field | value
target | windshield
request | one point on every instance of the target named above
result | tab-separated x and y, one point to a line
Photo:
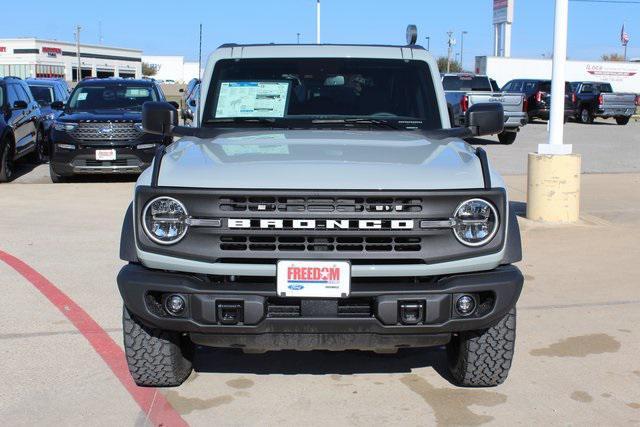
288	92
42	94
467	83
111	97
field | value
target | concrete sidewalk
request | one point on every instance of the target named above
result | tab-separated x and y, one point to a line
576	356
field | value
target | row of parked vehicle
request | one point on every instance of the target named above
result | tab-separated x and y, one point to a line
525	100
96	128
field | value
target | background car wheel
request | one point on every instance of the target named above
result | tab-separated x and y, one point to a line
156	358
507	138
6	161
483	358
622	121
39	154
56	178
585	116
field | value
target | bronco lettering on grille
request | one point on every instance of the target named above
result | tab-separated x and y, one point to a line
321	224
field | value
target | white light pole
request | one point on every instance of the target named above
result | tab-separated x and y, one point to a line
556	120
318	21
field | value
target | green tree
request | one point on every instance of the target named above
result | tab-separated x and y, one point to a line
454	66
148	70
615	57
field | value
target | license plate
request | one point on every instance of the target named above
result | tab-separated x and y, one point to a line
314	279
105	154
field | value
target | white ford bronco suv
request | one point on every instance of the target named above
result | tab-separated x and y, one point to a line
323	201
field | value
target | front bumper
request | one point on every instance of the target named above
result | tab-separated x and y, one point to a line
82	160
368	319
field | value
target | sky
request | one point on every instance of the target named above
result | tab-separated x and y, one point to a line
167	28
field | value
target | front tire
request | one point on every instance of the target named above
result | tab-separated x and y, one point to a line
156	358
507	138
622	121
55	177
483	358
6	160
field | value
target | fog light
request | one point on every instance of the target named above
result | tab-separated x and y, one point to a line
175	305
465	305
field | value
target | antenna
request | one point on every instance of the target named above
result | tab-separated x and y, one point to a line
200	54
79	73
99	32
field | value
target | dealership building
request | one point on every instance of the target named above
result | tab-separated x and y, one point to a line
172	68
31	57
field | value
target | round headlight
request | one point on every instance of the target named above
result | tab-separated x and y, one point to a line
476	222
165	220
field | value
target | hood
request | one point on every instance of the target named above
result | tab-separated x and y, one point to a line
101	116
322	160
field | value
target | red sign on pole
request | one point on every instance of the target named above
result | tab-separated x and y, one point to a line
3	49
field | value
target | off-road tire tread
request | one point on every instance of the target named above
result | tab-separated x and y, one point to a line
483	358
156	358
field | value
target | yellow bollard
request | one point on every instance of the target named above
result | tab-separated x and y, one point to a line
553	190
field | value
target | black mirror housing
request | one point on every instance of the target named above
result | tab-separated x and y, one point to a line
485	119
192	103
20	105
57	105
175	104
159	118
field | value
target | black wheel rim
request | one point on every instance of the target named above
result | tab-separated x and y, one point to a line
6	160
40	146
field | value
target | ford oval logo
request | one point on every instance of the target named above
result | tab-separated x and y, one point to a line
296	287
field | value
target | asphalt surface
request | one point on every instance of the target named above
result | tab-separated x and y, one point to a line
578	321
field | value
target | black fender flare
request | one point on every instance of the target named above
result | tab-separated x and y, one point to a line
513	248
128	238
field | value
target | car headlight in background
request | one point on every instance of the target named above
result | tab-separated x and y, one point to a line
475	222
62	126
164	220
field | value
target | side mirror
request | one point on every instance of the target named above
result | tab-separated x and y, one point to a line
485	119
20	105
192	103
175	104
57	105
181	90
159	118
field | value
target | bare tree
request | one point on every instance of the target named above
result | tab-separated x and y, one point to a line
149	70
455	66
615	57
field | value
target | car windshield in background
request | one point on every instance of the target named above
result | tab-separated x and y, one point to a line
392	93
466	83
42	94
107	97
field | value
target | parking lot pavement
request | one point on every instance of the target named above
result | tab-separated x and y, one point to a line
576	357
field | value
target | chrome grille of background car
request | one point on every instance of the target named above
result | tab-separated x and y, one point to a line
319	204
109	131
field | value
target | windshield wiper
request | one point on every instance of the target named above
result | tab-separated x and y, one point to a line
371	122
258	120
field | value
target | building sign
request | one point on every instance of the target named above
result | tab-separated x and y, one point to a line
52	51
502	11
3	49
611	72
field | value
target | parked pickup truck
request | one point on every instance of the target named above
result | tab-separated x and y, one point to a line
323	201
597	99
464	90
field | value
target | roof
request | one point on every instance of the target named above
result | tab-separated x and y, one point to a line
116	80
72	44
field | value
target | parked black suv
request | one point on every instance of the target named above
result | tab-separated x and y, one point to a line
100	130
19	119
51	95
538	96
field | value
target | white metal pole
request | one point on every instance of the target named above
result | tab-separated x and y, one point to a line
556	123
318	21
496	36
507	39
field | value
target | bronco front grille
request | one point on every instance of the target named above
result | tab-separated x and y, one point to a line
320	204
109	131
320	244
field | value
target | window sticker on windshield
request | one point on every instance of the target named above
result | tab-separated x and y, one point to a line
252	99
82	96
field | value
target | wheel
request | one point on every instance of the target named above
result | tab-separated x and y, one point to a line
6	160
622	121
483	358
507	138
156	358
585	116
39	155
55	177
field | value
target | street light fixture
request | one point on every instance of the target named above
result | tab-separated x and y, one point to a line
428	42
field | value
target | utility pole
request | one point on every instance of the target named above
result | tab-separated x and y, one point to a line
79	73
318	21
428	42
200	53
298	35
462	49
451	42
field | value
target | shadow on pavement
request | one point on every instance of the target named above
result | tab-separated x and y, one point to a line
213	360
21	168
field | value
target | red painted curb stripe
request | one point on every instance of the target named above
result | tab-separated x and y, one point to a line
152	402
